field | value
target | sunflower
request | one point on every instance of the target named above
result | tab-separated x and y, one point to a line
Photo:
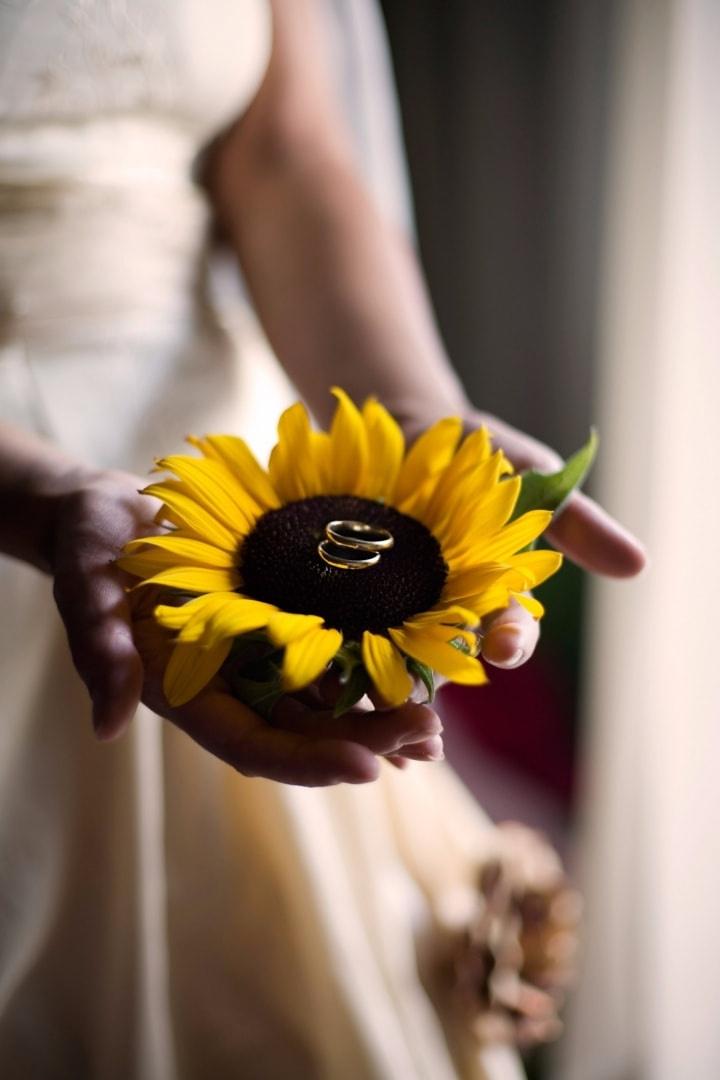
242	553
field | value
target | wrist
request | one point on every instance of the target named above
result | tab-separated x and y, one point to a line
36	508
416	415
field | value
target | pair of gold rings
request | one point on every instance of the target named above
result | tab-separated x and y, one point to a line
353	545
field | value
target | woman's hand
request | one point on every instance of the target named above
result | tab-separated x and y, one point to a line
77	520
582	530
95	514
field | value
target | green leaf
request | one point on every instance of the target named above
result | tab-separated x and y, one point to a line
425	674
348	656
542	491
253	671
260	696
461	645
250	649
354	687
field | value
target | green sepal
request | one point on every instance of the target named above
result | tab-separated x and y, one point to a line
353	689
354	679
541	491
425	674
253	670
260	696
348	656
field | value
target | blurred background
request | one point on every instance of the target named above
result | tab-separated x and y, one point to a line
505	115
565	171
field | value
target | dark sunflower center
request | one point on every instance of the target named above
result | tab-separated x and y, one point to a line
280	564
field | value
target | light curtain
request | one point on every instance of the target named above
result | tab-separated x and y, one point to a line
650	845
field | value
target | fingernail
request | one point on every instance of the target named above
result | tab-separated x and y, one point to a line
431	732
429	750
497	642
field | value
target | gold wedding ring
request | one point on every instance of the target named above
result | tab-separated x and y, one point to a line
345	558
356	534
353	545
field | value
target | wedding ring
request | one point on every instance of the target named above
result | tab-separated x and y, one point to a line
344	557
358	535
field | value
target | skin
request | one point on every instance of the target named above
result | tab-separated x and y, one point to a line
341	298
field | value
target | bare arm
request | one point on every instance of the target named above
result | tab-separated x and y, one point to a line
342	300
339	290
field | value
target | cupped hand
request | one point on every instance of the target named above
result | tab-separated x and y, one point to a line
582	530
98	512
94	517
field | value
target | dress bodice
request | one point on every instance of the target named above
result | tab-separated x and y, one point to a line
105	108
193	64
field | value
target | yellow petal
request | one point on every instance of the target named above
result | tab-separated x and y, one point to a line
348	447
497	508
431	645
307	657
176	617
428	455
238	615
536	566
239	460
172	618
473	452
487	517
386	668
210	484
319	453
495	599
452	614
473	581
195	579
197	612
162	551
293	467
530	604
415	504
165	516
465	483
190	669
145	564
514	537
386	446
507	467
451	517
198	520
213	617
285	626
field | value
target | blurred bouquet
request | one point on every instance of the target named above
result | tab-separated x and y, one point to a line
349	552
511	941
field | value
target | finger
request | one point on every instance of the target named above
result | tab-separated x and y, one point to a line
582	530
428	750
237	735
398	761
418	696
509	636
92	604
595	541
382	732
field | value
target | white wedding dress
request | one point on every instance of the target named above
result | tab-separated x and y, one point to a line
160	916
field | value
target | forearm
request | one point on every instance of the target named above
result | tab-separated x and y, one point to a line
337	288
